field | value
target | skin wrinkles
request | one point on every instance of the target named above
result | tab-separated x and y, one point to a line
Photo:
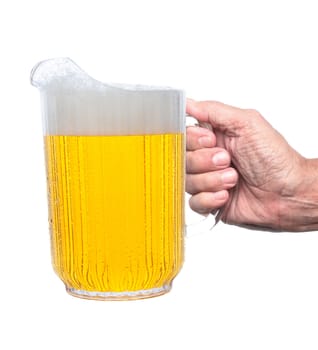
268	189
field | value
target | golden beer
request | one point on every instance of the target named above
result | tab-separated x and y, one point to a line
115	173
116	213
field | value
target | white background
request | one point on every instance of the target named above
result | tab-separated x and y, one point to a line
238	289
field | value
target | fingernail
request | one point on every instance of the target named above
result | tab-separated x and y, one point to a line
220	159
206	141
229	177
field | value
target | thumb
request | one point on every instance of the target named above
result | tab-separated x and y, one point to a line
219	115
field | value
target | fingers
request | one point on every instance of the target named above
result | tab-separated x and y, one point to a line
207	159
206	202
209	175
214	181
219	115
199	137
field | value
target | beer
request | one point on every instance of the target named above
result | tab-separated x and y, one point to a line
116	212
115	173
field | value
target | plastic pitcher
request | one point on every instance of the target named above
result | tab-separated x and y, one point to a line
115	175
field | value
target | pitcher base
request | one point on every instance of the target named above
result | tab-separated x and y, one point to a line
126	295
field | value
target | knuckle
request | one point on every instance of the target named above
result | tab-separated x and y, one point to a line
190	134
189	184
194	161
198	204
190	161
211	181
253	113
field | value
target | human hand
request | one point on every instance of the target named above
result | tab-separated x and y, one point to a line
265	174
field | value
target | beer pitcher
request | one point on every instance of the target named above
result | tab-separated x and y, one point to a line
115	177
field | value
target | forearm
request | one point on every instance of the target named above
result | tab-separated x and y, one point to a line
300	211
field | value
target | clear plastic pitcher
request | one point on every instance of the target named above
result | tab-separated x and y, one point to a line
115	174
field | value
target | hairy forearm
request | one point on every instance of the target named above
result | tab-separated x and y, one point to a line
300	211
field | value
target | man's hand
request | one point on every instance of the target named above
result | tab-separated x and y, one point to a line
248	168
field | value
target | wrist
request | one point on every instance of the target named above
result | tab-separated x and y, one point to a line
299	208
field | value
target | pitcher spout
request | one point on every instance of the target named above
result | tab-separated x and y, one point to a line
45	72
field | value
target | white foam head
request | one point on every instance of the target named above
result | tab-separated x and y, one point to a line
73	103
